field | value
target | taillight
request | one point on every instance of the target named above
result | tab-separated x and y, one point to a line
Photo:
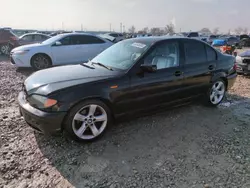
235	66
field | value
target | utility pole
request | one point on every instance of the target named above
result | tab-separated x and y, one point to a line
121	27
110	28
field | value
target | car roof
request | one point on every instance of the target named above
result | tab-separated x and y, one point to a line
27	34
76	33
34	34
154	39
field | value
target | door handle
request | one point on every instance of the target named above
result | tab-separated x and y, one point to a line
178	73
211	67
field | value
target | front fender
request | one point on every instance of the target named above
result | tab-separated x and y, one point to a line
218	75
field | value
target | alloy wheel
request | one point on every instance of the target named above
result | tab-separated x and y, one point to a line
5	49
41	62
217	92
89	122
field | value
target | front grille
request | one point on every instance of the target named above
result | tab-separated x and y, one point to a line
246	61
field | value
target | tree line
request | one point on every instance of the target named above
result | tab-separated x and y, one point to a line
170	29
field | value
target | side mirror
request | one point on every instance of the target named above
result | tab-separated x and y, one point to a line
58	43
148	68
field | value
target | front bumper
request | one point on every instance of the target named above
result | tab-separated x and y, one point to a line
243	68
20	60
44	122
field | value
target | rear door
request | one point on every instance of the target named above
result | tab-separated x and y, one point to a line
200	64
40	38
27	39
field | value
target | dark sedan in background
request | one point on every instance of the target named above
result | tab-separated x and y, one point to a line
131	77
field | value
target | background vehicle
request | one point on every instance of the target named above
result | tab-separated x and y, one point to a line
59	32
223	46
245	42
32	38
233	41
243	62
62	49
244	37
118	36
7	40
130	77
194	35
211	39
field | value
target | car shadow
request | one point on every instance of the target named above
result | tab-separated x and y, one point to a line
143	144
25	71
3	58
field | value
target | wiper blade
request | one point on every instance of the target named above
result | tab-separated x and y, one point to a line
83	64
102	65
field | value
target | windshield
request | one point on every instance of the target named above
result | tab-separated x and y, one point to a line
52	39
122	55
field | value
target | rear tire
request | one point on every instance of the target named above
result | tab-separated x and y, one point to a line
216	93
5	49
40	61
87	121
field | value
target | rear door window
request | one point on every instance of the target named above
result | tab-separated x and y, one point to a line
44	37
28	38
85	39
195	52
38	37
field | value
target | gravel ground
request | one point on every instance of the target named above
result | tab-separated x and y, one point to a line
188	147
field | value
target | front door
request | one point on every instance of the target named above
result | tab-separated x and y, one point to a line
68	52
158	88
200	63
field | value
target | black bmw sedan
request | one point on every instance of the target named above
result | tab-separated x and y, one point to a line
130	77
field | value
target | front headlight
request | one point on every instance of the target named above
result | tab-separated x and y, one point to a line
41	102
21	52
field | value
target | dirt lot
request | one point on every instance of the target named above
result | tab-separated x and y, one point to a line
188	147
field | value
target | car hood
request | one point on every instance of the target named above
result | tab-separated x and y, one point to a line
46	81
26	47
245	54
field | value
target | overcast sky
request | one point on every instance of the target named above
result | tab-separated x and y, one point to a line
98	14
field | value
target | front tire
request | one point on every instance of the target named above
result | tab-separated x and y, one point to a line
40	61
88	121
216	93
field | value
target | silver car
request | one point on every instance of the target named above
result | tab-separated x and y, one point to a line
32	38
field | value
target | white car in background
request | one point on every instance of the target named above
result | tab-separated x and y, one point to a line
70	48
118	36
